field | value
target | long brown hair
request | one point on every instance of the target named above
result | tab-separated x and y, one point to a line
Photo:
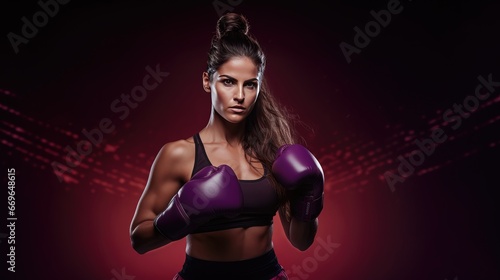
269	125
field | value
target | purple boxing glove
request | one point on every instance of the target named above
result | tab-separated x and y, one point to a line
299	172
211	192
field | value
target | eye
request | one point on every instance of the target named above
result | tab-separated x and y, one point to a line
252	85
228	82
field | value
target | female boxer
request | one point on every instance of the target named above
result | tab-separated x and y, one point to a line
222	187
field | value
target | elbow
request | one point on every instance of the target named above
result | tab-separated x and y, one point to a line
138	246
302	245
139	249
302	248
301	242
302	234
143	244
305	246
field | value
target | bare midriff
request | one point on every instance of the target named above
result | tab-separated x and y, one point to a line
231	244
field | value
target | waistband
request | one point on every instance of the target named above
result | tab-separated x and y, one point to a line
262	267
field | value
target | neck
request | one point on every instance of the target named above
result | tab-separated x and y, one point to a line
220	130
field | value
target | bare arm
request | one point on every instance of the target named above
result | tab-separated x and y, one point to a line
163	183
300	234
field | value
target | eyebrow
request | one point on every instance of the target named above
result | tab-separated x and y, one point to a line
249	80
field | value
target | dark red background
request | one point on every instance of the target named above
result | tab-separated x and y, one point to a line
437	224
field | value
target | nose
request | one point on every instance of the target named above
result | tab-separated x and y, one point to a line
239	95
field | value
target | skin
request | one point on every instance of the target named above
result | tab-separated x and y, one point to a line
235	83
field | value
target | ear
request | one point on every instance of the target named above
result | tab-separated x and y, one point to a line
206	82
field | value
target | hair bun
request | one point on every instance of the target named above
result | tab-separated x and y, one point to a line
232	22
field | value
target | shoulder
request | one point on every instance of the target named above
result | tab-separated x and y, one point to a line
177	150
177	157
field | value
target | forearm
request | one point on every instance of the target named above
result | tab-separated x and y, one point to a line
300	174
302	233
145	238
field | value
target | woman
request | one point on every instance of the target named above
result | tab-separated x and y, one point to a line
221	188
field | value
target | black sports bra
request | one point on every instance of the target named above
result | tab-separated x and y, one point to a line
260	199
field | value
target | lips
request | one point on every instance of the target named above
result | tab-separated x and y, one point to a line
237	109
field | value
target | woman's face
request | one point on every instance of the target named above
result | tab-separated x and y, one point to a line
234	88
